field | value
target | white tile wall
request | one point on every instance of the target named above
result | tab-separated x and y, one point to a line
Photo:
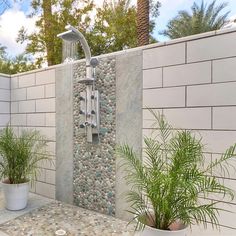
14	82
164	56
47	190
220	46
27	80
14	107
4	82
33	107
18	94
45	105
27	106
35	92
188	74
50	119
152	78
36	119
222	94
50	91
224	118
224	70
4	120
5	95
189	118
166	97
18	119
45	77
4	101
5	107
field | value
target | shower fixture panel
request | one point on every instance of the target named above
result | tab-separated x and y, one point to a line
89	119
89	99
95	112
82	110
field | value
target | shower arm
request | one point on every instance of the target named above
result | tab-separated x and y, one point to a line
86	50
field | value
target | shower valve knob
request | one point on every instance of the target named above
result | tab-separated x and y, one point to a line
93	125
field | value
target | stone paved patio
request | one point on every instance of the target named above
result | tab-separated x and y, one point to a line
43	217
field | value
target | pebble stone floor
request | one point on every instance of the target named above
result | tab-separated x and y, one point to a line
75	221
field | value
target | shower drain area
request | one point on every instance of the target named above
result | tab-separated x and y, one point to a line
60	232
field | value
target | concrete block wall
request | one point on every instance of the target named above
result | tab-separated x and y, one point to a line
192	81
5	86
33	107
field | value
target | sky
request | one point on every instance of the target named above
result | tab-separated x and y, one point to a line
15	17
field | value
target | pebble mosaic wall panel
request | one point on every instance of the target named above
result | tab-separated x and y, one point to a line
94	164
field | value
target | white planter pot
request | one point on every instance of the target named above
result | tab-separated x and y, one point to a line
149	231
16	195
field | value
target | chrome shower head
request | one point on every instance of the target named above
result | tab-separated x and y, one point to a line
69	36
74	35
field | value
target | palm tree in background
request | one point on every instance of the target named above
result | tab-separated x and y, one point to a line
203	18
143	22
147	12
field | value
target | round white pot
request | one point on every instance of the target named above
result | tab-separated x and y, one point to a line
149	231
16	195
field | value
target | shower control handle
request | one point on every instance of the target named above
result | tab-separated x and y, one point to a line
93	125
82	126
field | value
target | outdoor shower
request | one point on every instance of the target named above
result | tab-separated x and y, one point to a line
89	99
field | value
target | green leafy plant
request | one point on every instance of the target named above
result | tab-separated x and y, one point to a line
20	155
172	182
203	17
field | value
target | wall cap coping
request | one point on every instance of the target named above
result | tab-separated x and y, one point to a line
5	75
146	47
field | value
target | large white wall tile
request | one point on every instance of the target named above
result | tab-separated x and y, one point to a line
166	97
188	74
164	56
212	95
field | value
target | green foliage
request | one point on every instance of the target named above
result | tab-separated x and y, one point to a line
54	15
20	63
20	156
113	27
170	184
203	18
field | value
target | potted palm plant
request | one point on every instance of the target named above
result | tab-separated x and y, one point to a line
19	159
169	187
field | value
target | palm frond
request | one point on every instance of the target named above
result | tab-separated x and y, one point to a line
167	185
223	163
202	18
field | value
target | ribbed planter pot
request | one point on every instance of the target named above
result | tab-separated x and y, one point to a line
16	195
149	231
